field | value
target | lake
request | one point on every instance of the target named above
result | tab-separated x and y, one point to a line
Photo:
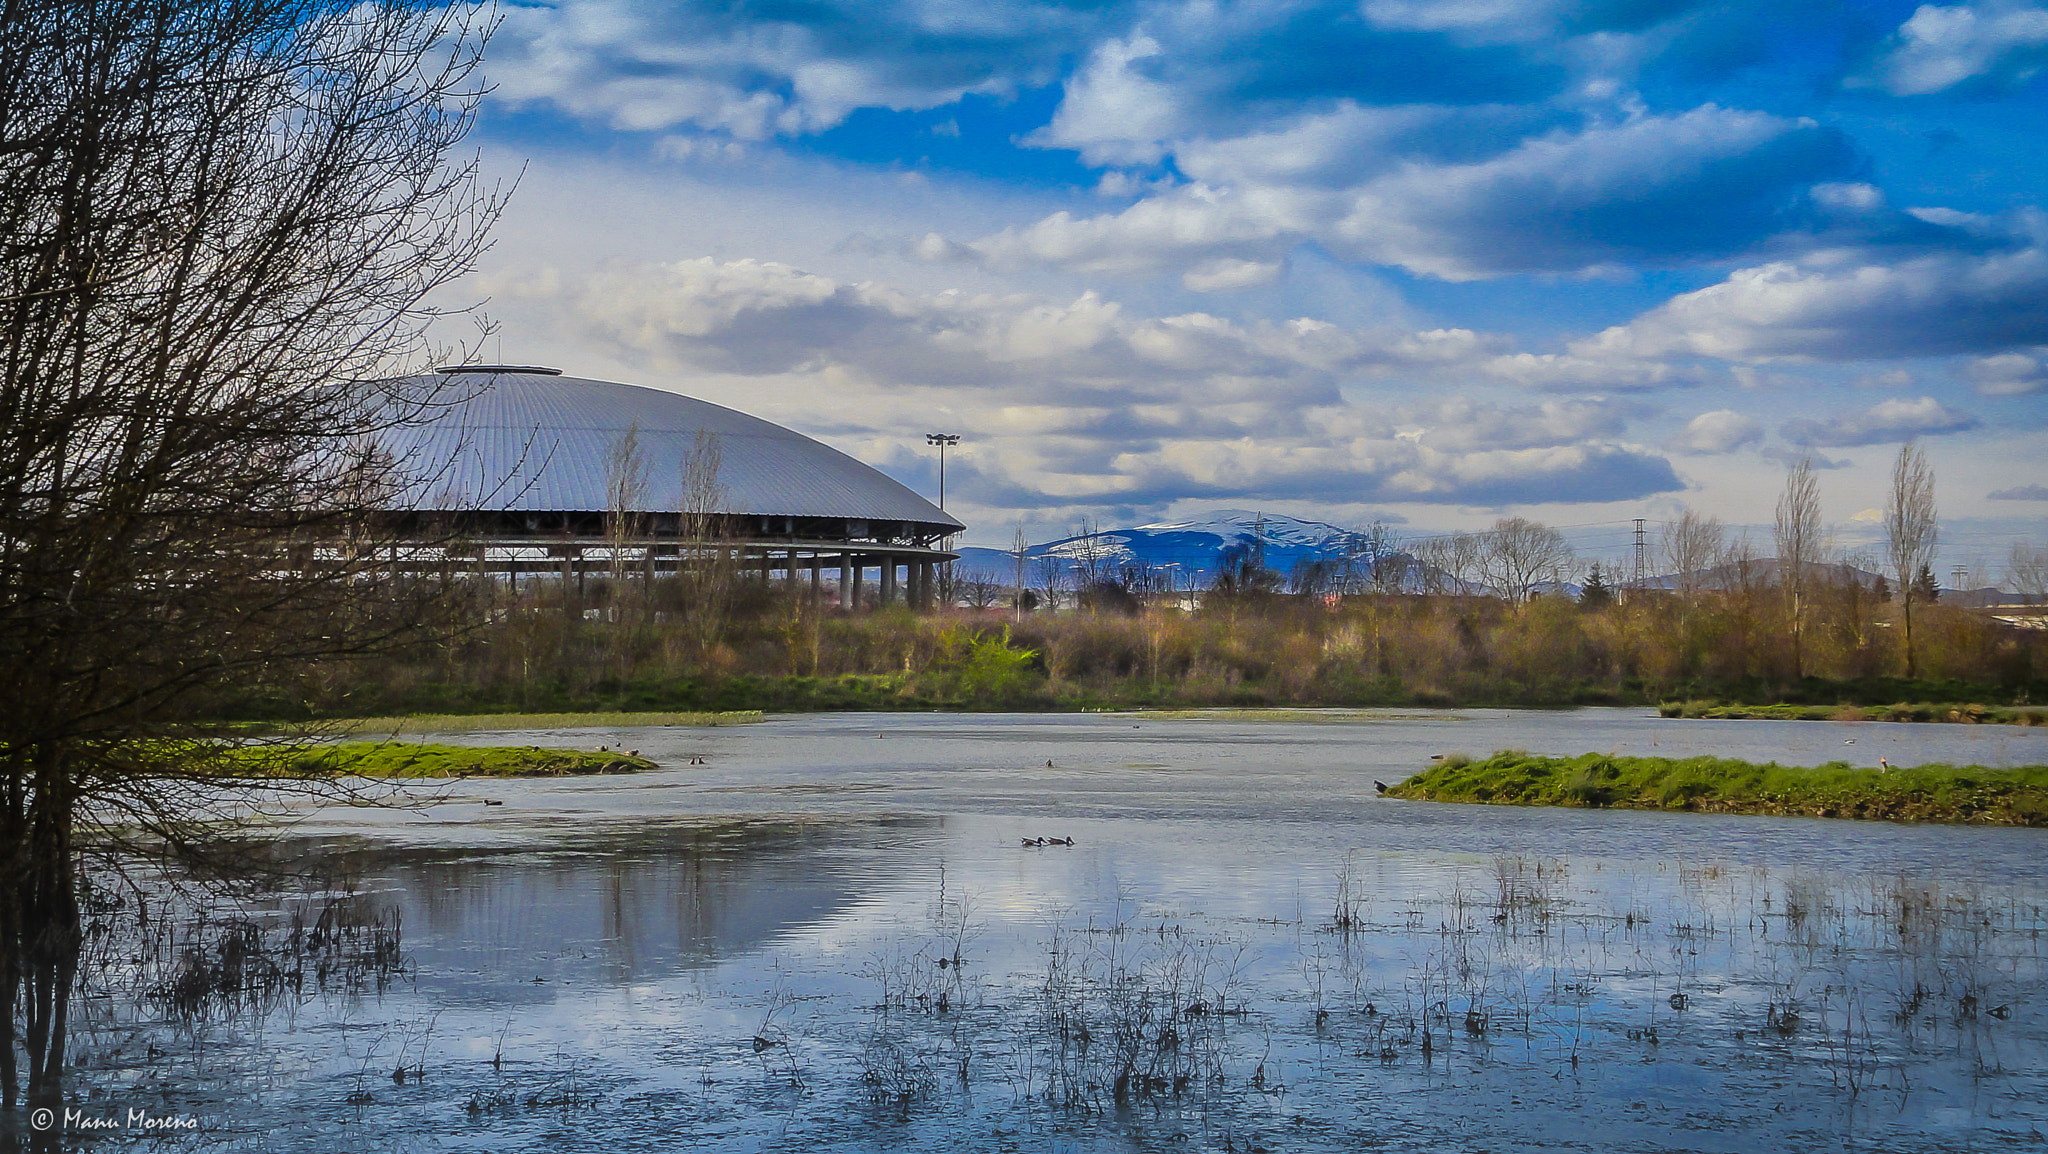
871	932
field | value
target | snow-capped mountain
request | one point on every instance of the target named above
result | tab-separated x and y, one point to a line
1185	553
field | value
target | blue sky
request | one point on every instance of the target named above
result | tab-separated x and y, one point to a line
1423	261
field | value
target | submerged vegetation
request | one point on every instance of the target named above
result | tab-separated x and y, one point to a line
1425	1010
1970	794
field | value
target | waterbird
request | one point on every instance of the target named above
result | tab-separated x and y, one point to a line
488	801
1883	764
1436	757
1848	741
1380	786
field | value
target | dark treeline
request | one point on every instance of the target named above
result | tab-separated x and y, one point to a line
641	643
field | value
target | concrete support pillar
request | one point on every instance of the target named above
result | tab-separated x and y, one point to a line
926	599
888	581
817	578
849	582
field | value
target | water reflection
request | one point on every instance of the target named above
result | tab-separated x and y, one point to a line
617	904
833	939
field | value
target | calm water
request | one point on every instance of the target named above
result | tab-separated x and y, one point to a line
829	934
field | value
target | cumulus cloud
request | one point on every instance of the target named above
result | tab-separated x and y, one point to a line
2007	374
1705	184
1080	401
1886	421
1791	457
1992	45
1855	304
759	73
1721	431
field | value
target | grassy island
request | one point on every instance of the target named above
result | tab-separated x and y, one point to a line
407	759
1953	712
1971	794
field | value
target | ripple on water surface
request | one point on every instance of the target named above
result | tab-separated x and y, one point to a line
832	934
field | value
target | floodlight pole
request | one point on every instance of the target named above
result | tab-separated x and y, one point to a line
942	440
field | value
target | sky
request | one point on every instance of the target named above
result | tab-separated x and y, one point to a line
1423	262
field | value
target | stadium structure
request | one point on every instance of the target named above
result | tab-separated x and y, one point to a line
526	470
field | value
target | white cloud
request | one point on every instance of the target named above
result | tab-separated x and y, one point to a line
643	67
1190	223
1940	47
1226	274
1886	421
1721	431
2007	374
1707	183
1851	306
1080	400
1704	184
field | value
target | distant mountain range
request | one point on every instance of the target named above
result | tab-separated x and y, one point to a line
1190	554
1182	553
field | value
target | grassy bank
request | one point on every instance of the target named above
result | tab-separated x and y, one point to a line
1969	794
1952	712
407	759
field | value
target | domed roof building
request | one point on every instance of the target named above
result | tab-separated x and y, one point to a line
534	468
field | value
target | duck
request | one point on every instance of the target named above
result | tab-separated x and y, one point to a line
1381	786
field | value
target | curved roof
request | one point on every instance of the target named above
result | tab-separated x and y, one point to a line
524	438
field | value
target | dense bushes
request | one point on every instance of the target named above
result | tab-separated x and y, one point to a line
777	649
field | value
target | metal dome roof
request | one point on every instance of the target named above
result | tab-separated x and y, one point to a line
526	439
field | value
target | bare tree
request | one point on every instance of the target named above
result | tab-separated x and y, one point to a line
626	490
980	590
1451	564
1910	531
1019	550
1692	545
2026	570
1520	556
1055	577
1374	561
1797	533
218	224
707	569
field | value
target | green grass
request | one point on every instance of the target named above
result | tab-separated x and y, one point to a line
409	759
1955	712
1970	794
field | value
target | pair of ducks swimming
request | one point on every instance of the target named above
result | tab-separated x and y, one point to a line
1039	841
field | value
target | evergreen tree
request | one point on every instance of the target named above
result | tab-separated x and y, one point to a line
1596	593
1924	588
